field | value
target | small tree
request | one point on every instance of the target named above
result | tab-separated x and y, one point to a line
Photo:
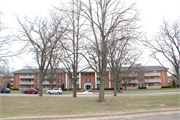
174	84
8	85
62	86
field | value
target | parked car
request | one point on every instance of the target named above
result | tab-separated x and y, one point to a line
30	91
54	91
5	90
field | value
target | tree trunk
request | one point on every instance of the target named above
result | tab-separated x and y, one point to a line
101	91
40	86
74	89
115	85
118	86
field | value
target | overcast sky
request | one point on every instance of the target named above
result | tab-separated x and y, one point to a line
151	16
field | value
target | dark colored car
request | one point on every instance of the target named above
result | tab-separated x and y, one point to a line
5	90
30	91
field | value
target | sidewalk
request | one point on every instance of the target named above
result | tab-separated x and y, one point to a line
94	115
84	93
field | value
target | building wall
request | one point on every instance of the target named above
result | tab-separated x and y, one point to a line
4	80
83	77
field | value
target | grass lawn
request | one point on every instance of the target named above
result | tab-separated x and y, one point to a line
53	106
124	91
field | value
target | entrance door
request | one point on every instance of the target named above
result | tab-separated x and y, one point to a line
88	87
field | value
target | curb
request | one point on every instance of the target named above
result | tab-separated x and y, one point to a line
94	115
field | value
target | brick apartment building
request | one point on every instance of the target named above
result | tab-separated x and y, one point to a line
4	80
148	76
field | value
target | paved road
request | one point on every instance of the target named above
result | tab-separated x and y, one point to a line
149	116
93	95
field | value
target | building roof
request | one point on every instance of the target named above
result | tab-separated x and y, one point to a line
60	70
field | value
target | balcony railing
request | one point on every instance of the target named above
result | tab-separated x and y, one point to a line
98	82
152	87
27	77
45	88
152	81
152	74
131	82
11	79
11	83
27	83
47	83
129	88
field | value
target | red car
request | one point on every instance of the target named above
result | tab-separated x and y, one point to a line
30	90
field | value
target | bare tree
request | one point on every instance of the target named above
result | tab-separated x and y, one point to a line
165	47
43	35
72	43
104	17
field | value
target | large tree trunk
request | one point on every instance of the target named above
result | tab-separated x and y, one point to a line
74	89
101	91
115	84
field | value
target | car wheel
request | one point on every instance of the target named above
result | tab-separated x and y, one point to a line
23	92
32	92
4	92
58	93
49	93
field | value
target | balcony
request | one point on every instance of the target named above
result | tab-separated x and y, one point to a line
27	83
27	77
77	82
45	88
152	87
131	82
152	74
128	88
98	82
47	83
11	83
11	79
152	81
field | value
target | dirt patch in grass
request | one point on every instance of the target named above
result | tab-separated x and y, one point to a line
54	106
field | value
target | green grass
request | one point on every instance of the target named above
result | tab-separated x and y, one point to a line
124	91
53	106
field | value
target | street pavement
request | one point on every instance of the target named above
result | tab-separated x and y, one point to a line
93	95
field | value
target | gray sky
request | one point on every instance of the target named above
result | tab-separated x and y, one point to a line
151	16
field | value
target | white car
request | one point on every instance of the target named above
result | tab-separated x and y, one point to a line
54	91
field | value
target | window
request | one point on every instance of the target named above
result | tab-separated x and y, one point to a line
140	85
30	80
7	77
37	86
4	77
59	86
88	74
147	71
23	86
70	86
106	86
0	81
133	85
37	81
77	86
23	80
30	87
155	78
30	74
59	74
4	82
88	80
148	78
156	84
139	72
37	74
154	71
60	81
45	86
24	74
140	79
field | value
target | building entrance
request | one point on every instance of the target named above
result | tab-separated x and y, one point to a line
88	87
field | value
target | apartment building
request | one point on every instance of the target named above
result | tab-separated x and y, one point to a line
146	76
4	80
